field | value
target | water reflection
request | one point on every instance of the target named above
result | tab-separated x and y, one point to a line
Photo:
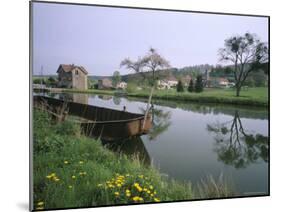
133	147
235	146
161	121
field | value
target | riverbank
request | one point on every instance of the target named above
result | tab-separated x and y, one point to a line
83	172
251	97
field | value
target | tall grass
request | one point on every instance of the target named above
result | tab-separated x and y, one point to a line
71	170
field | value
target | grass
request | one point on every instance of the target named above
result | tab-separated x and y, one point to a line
71	170
252	96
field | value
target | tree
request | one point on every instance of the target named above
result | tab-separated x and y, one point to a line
190	86
199	84
154	62
247	54
116	78
179	86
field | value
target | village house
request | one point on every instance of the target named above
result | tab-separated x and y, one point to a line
122	85
167	83
105	83
72	76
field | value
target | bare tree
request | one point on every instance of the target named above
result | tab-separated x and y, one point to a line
247	53
137	66
155	62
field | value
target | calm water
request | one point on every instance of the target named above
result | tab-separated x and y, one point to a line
190	141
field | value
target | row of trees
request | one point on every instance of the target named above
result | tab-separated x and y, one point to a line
197	87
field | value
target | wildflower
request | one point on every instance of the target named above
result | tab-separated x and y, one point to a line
148	191
156	199
136	198
116	193
127	175
53	174
70	186
151	187
119	185
40	203
145	189
73	177
65	162
56	179
99	185
128	191
128	194
136	184
140	176
140	199
151	195
49	176
81	162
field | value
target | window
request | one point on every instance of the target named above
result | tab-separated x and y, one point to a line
76	72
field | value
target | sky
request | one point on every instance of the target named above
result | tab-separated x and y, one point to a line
99	38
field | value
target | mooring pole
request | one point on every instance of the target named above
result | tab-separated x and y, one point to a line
147	107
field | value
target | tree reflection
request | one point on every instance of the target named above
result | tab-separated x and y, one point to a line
235	146
160	121
116	100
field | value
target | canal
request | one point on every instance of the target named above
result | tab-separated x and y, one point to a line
190	141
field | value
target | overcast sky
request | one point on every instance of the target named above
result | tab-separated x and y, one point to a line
98	38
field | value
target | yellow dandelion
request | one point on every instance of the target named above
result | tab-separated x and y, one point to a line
40	203
148	191
151	195
136	198
140	199
65	162
56	179
119	185
128	194
49	176
128	191
99	185
81	162
53	174
145	189
70	186
116	193
140	176
156	199
136	184
73	177
151	187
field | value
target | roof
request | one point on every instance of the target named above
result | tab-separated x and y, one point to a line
68	68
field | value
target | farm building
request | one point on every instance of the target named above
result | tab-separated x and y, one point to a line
72	76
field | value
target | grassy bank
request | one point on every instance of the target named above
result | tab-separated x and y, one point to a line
71	170
251	96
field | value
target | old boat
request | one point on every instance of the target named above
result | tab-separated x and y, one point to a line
101	122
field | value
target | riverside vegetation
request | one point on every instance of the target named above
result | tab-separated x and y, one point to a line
72	170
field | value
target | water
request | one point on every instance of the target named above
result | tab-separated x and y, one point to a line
190	141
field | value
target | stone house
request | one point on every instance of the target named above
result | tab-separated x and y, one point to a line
72	76
105	83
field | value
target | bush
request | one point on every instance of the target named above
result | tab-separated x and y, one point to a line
199	84
190	86
179	86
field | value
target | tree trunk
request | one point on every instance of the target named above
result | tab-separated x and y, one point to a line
238	89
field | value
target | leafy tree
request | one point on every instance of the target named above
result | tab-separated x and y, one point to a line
247	53
199	84
179	86
116	78
190	86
